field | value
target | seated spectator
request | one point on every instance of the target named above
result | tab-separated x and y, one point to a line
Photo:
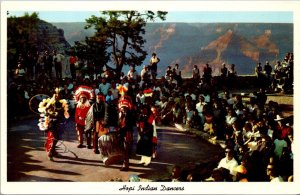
177	114
228	162
196	120
176	173
272	172
140	98
279	144
218	175
109	97
188	114
241	174
208	123
104	86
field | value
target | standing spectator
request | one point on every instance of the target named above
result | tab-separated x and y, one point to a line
72	62
153	65
196	74
132	74
58	59
39	67
48	61
145	74
20	73
177	74
207	71
268	70
224	71
30	65
231	76
224	74
169	74
259	74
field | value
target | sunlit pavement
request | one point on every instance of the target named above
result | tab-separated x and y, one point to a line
27	160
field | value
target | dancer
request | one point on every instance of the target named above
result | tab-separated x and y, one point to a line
53	111
126	122
145	127
82	96
96	120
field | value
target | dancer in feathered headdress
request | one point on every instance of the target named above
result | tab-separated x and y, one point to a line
82	96
53	111
125	123
146	126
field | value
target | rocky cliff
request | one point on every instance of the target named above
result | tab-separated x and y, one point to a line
50	37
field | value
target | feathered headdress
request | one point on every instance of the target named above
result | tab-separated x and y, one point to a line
48	111
122	88
84	91
125	101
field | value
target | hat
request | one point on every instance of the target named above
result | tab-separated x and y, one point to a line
83	91
278	118
241	169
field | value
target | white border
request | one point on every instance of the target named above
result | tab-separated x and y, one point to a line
112	188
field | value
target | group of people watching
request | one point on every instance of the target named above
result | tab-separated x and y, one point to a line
257	139
278	78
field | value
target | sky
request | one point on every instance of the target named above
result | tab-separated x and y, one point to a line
176	16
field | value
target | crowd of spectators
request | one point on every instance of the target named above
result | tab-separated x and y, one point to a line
259	142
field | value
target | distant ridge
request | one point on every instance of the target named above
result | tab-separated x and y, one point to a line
243	44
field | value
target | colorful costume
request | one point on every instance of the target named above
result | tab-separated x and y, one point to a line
126	122
82	96
96	119
53	111
145	129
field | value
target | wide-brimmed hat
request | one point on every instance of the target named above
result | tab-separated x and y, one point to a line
278	118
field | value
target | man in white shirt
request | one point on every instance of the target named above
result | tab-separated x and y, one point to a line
279	144
153	65
132	74
58	59
199	106
228	162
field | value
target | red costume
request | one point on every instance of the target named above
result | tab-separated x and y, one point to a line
82	96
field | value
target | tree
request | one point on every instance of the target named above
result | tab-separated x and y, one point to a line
122	32
22	33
